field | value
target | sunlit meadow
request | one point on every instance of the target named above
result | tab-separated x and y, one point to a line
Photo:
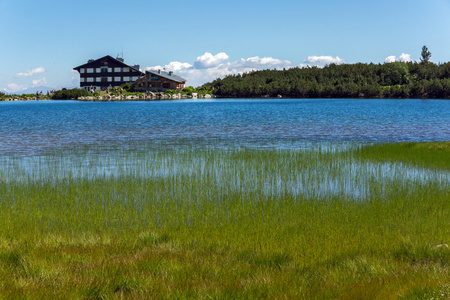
335	222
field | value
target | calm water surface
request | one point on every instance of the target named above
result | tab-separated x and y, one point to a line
35	126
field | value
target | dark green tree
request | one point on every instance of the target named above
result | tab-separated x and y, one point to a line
394	80
425	55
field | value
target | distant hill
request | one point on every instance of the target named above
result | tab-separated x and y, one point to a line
35	89
32	90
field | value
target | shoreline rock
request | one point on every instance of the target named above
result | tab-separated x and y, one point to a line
148	97
144	97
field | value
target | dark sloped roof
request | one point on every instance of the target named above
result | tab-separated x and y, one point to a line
107	57
166	75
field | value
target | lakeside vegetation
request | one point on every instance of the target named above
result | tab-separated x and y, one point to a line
428	155
389	80
193	222
423	79
123	91
17	97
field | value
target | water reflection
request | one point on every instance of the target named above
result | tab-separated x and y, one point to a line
318	173
33	127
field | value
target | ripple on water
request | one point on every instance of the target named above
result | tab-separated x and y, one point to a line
33	127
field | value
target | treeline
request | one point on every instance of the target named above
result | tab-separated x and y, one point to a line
389	80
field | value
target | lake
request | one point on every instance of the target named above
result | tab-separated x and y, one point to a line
36	126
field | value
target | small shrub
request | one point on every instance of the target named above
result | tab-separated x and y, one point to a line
189	90
127	87
70	94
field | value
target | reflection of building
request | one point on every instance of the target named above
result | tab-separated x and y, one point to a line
159	81
107	72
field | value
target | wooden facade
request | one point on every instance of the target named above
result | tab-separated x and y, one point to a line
107	72
159	81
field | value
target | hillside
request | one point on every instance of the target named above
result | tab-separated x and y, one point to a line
390	80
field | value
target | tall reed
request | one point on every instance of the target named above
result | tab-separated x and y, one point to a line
223	223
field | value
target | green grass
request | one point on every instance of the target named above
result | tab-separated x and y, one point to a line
224	224
430	155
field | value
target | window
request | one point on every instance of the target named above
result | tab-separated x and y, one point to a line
126	70
90	70
117	69
90	79
98	79
98	70
81	79
82	70
117	79
104	69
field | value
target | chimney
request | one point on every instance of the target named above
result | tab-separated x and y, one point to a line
159	71
170	73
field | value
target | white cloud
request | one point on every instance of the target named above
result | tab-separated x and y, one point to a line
403	58
178	66
75	78
39	82
390	59
323	60
13	88
209	67
208	60
258	63
31	72
75	75
196	77
174	66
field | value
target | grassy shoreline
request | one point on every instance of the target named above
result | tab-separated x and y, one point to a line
432	154
228	224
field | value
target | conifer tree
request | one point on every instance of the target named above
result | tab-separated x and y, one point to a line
425	55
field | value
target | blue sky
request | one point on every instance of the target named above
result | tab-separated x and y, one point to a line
42	41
